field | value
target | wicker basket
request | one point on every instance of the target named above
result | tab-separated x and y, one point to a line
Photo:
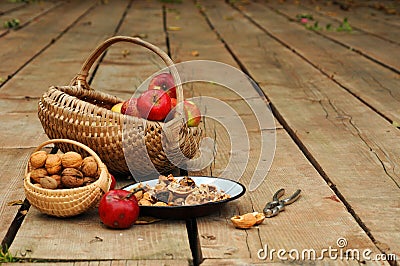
80	113
72	201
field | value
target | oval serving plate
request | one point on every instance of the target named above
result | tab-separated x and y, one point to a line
233	188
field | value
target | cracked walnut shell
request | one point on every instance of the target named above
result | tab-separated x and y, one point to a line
53	164
89	167
38	159
37	174
48	182
71	159
71	178
247	220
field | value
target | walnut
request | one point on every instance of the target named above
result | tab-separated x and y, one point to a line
37	174
48	182
89	167
71	159
145	202
88	180
38	159
53	164
58	180
71	178
244	221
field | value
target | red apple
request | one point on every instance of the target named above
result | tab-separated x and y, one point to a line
113	182
154	105
192	113
129	107
118	209
165	82
173	103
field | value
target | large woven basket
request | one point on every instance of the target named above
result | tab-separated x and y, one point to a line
72	201
81	113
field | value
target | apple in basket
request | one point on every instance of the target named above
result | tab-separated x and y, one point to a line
129	107
154	105
165	82
192	113
117	107
118	209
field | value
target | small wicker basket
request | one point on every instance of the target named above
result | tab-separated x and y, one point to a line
72	201
83	114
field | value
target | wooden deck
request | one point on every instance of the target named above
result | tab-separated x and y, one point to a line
334	96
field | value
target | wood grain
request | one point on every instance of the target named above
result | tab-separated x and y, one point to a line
19	47
357	40
332	126
290	169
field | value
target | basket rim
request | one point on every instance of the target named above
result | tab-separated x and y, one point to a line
110	114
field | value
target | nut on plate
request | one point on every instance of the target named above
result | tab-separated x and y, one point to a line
71	178
53	164
38	159
247	220
71	159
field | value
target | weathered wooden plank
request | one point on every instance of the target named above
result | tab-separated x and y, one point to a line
12	165
297	227
8	6
23	45
109	263
85	238
31	12
65	58
127	65
334	128
166	240
356	40
366	20
372	83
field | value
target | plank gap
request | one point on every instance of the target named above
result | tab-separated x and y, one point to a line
331	77
52	41
289	130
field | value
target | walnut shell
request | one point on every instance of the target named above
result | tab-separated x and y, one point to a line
71	178
244	221
37	174
87	180
71	159
38	159
53	164
48	182
58	180
89	167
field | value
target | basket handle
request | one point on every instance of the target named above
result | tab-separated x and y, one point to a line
104	185
82	75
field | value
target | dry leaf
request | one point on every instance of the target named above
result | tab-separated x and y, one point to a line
174	28
140	35
15	202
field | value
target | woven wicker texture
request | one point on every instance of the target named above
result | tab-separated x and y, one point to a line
80	113
67	202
